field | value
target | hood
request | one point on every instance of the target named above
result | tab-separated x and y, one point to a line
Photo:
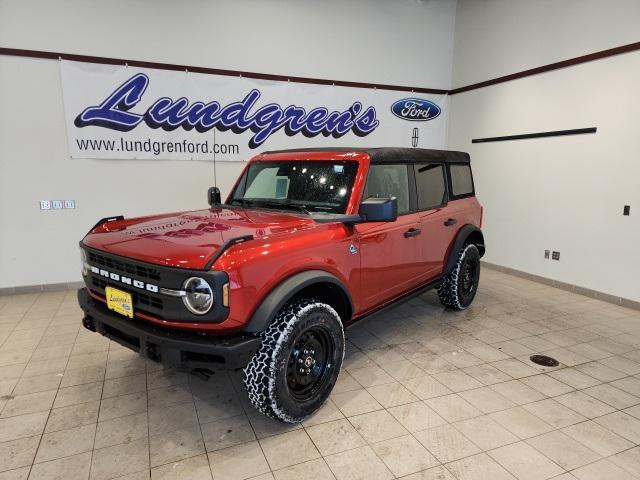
189	239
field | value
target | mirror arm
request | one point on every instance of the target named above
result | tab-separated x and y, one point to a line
333	218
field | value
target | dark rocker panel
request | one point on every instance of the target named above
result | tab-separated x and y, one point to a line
557	133
16	52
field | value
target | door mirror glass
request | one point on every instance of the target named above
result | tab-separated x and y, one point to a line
213	196
379	209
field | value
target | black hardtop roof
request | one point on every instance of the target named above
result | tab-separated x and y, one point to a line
393	154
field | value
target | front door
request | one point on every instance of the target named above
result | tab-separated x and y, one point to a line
390	252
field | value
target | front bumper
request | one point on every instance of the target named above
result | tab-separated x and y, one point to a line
180	349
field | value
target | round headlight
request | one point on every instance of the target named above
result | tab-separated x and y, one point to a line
83	262
198	296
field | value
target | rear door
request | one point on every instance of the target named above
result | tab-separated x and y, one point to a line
434	214
390	251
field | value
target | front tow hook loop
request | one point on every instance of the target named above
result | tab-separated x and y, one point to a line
89	323
153	352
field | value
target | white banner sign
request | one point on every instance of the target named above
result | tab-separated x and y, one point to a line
122	112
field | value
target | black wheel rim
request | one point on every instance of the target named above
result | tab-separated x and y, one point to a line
468	277
309	363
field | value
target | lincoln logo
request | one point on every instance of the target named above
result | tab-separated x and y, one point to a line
126	280
415	109
415	137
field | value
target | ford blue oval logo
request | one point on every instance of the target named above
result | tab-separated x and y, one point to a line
415	109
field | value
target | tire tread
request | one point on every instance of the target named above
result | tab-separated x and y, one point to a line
260	374
449	290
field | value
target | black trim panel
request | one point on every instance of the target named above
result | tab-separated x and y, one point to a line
107	219
272	304
458	243
171	347
227	244
430	285
524	136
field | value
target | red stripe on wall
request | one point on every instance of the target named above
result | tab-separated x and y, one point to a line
16	52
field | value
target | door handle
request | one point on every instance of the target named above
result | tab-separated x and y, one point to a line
412	232
450	221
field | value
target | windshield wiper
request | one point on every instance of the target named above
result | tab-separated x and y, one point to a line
242	201
246	203
300	208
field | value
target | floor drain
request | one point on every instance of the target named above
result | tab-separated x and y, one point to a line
544	360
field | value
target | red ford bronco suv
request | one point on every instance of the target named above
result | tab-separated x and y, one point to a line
308	242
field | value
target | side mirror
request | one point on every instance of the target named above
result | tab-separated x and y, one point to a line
213	196
379	209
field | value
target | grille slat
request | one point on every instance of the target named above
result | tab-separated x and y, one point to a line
122	267
138	297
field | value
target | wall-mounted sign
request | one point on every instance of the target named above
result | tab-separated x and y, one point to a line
415	109
124	113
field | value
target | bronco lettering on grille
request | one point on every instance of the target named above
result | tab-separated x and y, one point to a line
126	280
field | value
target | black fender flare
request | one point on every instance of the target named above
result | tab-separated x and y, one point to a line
285	291
461	239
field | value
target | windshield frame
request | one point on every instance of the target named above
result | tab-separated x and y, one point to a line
295	207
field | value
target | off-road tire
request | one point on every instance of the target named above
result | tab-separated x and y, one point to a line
266	375
451	291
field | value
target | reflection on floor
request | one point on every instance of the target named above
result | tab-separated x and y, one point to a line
425	393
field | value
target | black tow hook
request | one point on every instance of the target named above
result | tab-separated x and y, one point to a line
89	323
153	352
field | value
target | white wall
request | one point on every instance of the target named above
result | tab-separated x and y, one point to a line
563	193
499	37
401	42
405	42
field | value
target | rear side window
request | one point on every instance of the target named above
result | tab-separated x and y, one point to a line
430	185
461	181
386	181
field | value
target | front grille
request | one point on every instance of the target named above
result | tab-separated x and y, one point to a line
138	297
123	267
108	270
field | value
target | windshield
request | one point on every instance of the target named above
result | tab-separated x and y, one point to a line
306	186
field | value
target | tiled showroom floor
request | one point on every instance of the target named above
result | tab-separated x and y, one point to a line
424	393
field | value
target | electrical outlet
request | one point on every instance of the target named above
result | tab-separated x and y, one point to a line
45	205
57	204
70	204
555	256
547	253
626	210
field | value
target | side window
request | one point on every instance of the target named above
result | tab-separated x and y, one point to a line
430	185
385	181
461	181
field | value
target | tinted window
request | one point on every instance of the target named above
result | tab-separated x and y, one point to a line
323	186
430	184
461	182
385	181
